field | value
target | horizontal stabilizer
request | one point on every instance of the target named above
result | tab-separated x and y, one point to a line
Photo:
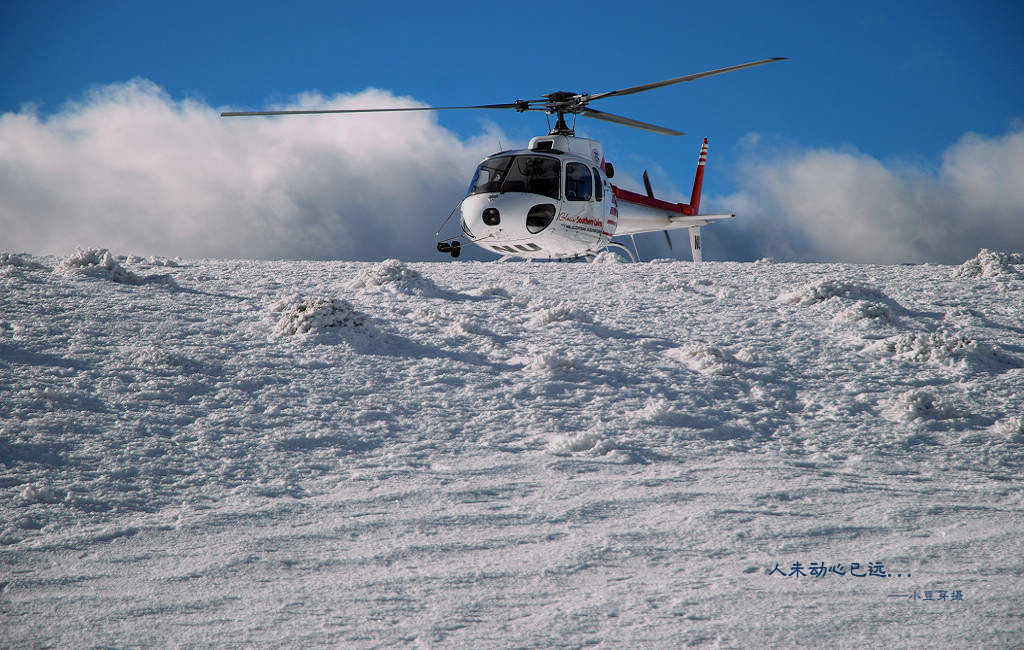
695	219
669	223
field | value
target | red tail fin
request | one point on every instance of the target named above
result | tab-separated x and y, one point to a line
698	180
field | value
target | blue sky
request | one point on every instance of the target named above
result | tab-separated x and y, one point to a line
898	82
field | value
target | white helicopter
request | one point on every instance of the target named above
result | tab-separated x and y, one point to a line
554	200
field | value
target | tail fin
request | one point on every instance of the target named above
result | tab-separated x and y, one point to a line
698	180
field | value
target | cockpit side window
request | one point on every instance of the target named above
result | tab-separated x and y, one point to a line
489	175
598	189
578	183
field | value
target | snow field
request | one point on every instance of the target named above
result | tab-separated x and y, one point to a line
479	455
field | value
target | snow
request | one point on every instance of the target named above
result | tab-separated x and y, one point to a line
462	454
98	263
989	263
312	315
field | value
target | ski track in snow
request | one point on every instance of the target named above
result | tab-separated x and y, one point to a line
475	455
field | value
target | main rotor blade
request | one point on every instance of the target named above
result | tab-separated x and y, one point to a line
618	119
679	80
516	105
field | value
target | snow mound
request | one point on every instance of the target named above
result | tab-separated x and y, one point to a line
464	326
17	259
607	257
39	494
591	443
153	260
942	347
655	410
393	276
489	292
96	262
988	264
705	359
547	313
916	404
865	312
547	362
1013	427
661	411
310	315
11	263
815	292
597	444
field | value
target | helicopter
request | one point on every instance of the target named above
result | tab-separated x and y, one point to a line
554	200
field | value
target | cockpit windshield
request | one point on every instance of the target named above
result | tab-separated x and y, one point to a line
533	174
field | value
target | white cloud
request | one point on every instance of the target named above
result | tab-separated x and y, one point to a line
826	204
135	171
131	169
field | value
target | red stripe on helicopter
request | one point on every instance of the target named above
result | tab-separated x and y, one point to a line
649	201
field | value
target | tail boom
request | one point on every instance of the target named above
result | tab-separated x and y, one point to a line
642	213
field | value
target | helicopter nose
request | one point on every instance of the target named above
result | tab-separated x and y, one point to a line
482	215
506	217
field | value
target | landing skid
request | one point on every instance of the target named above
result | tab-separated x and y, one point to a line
589	257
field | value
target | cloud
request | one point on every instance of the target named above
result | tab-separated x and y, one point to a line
827	204
131	169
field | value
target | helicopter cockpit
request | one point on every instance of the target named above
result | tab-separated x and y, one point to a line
515	196
518	173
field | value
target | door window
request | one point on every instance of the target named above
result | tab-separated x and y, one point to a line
579	185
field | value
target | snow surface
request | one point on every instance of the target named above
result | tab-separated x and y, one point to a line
285	454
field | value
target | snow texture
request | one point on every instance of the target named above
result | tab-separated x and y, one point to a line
96	262
608	257
944	347
988	264
99	263
816	292
394	277
306	315
340	454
